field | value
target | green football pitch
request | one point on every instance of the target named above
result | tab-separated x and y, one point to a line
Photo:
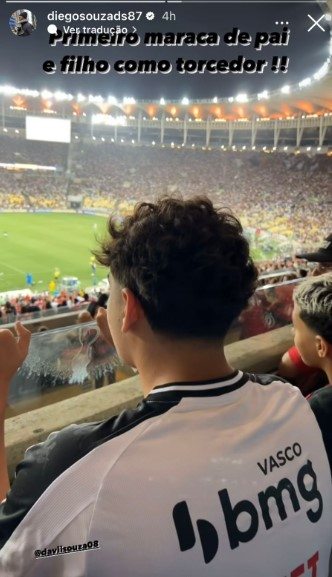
37	243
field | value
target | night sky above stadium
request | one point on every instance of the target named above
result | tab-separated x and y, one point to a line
22	57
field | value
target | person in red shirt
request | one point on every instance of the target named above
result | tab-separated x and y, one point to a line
292	366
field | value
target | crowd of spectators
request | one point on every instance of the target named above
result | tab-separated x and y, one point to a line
32	190
18	150
15	308
283	194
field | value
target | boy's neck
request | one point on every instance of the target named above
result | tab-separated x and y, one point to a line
328	371
181	362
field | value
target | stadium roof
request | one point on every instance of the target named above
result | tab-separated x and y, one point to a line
314	99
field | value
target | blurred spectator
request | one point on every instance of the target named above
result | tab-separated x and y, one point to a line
312	319
292	365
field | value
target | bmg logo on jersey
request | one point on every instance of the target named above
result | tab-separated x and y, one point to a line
259	513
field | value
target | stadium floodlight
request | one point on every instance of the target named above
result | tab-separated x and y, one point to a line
8	90
286	89
60	96
133	141
193	146
305	82
102	139
215	100
244	147
112	100
76	137
308	148
253	148
263	95
122	140
5	130
128	100
185	101
80	97
112	139
241	97
17	131
162	102
46	94
319	148
285	147
27	92
172	144
153	143
231	99
96	99
109	120
93	138
322	71
264	148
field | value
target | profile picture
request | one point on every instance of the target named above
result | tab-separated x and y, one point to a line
22	22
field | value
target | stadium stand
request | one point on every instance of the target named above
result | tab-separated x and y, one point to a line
280	193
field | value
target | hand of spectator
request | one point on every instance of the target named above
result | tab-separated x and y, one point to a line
102	323
13	351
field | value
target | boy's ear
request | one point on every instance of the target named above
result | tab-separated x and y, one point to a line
132	309
322	346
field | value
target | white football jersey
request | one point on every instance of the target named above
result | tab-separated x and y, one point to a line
223	478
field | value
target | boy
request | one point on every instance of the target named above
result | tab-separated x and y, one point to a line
213	473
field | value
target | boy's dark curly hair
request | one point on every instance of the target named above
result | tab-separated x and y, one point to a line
186	262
